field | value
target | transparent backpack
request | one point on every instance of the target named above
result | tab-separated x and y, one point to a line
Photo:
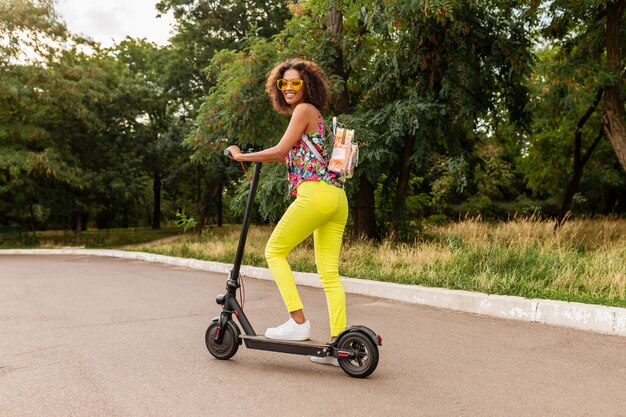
345	154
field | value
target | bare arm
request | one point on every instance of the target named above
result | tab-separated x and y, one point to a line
300	120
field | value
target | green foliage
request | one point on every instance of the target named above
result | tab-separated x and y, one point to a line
417	203
236	109
29	31
272	196
459	107
186	222
570	73
449	180
205	28
494	176
236	112
65	120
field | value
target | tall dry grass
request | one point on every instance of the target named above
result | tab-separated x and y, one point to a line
585	260
591	234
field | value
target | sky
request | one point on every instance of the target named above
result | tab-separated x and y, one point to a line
110	21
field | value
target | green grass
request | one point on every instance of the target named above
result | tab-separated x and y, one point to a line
585	261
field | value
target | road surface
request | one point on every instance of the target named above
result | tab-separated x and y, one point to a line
89	336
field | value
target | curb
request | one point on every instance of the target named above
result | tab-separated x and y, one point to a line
588	317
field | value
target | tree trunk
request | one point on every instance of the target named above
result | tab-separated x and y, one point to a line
156	192
32	217
398	220
341	103
363	211
579	159
218	203
212	194
125	217
572	187
202	211
79	227
613	111
363	208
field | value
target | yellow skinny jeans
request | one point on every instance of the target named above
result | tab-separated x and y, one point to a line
321	209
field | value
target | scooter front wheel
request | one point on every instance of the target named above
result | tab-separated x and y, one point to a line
229	345
363	357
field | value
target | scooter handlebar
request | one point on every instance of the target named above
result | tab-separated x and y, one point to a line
227	152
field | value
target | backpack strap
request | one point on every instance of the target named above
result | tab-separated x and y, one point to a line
312	148
310	144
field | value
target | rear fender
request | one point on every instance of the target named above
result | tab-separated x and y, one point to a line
377	340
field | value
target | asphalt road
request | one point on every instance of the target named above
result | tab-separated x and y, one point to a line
87	336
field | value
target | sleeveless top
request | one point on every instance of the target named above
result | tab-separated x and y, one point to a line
302	165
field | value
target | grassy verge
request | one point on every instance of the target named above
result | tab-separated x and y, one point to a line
585	261
92	238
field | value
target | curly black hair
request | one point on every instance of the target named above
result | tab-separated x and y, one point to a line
315	85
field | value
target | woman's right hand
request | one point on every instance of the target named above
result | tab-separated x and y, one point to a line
233	152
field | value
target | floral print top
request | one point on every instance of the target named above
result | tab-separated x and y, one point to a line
302	165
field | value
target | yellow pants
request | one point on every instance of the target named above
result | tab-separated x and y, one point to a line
321	209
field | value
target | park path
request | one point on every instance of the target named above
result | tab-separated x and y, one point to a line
88	336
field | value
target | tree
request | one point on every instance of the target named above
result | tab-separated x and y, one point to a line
572	80
334	37
594	30
30	30
613	122
449	73
156	105
65	120
203	29
206	27
90	125
237	111
434	76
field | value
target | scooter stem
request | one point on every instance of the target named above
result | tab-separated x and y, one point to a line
233	282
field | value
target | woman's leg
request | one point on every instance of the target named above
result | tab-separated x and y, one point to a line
328	238
298	222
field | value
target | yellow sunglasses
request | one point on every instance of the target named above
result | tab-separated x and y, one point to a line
294	84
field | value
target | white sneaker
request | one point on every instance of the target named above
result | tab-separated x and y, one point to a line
326	360
290	330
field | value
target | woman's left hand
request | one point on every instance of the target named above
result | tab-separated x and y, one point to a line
234	152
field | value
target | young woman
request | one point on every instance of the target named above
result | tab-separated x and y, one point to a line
298	88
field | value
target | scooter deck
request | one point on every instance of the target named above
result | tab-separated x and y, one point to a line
296	347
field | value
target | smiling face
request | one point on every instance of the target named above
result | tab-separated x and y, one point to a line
285	96
293	97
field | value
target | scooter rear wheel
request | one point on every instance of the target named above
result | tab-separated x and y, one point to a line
364	358
229	345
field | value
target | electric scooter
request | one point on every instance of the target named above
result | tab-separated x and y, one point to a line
356	347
